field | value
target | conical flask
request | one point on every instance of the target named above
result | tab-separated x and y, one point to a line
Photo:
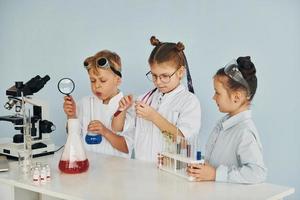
73	160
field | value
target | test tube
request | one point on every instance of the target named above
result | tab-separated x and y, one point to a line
183	153
183	147
178	150
160	160
173	163
194	148
167	162
188	150
170	163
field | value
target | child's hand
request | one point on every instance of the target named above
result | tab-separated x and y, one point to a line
70	107
125	103
144	111
96	126
202	172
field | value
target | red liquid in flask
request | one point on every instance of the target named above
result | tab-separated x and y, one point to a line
74	167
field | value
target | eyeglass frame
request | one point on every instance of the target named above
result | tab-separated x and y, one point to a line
169	76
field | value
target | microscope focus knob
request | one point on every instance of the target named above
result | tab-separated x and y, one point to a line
18	138
46	126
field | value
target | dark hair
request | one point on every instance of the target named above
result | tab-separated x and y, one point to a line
247	68
166	51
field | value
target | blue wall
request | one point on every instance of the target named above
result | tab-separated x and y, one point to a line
53	37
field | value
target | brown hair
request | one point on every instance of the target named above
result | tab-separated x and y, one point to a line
166	51
112	57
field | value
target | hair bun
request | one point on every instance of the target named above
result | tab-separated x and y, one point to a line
180	46
246	67
154	41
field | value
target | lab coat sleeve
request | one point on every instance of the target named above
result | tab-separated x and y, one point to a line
189	120
129	129
251	167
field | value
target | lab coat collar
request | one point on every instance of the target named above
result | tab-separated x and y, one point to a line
229	122
114	100
179	88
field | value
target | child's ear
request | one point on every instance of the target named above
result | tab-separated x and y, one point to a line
118	80
181	71
237	97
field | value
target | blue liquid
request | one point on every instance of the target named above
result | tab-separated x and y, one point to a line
198	155
92	138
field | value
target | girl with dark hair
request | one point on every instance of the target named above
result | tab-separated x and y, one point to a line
234	150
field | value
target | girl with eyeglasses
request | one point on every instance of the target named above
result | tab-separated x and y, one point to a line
233	151
104	70
170	107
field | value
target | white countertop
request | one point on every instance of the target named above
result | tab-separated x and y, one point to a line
111	177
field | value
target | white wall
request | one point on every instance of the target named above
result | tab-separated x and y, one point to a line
53	37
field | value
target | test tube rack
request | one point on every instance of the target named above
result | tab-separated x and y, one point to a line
177	164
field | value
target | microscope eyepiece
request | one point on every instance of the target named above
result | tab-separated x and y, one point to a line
30	87
37	83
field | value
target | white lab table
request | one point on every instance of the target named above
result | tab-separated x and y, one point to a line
111	177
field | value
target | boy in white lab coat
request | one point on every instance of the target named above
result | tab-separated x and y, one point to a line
104	70
170	107
234	150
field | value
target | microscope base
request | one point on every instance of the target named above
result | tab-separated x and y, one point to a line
14	150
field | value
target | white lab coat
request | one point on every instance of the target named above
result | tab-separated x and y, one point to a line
103	113
180	107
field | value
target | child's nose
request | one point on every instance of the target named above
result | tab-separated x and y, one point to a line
97	84
158	81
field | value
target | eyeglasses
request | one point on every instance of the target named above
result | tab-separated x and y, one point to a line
232	70
165	78
104	64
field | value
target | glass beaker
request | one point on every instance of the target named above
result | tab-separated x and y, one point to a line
92	138
73	159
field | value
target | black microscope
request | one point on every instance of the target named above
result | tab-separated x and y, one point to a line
40	128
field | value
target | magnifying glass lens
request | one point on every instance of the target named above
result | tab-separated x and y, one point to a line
66	86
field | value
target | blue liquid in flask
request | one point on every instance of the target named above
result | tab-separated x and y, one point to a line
92	138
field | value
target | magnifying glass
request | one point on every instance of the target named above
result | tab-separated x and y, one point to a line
66	86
